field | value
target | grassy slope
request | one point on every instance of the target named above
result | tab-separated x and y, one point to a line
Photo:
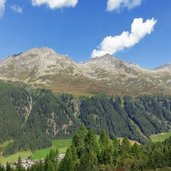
61	145
14	157
160	137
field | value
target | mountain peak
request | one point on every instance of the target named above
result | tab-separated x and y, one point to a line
166	67
43	55
43	50
105	57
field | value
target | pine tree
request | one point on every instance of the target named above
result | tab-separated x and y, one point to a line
104	139
105	154
88	162
68	163
53	155
74	152
51	161
91	143
51	166
2	168
19	165
136	151
125	147
79	140
8	167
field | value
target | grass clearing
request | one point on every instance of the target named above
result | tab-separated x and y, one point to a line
160	137
14	157
38	154
61	145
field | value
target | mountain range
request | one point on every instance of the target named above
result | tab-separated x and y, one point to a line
44	68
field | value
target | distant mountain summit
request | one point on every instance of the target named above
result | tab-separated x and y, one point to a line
43	67
166	67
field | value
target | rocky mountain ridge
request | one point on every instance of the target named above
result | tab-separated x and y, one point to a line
43	67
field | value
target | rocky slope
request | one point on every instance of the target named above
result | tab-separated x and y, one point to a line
43	67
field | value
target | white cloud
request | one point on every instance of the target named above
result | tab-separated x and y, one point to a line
113	44
117	4
2	7
17	9
55	3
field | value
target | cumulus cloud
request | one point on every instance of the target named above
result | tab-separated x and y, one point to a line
113	44
17	9
55	3
117	4
2	7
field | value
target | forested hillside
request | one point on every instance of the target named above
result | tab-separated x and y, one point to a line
133	117
31	118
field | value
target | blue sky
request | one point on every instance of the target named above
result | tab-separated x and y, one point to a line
79	29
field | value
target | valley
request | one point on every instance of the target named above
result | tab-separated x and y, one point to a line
85	85
45	97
